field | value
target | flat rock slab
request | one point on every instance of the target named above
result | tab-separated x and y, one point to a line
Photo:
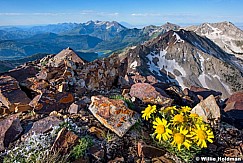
149	151
208	109
150	94
236	101
42	126
10	129
65	141
22	73
48	102
234	108
113	114
11	95
73	109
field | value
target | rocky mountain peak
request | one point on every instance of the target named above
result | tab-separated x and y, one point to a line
187	59
154	31
170	26
108	24
225	34
68	53
61	57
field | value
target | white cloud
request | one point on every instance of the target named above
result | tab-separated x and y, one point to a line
48	14
145	14
33	14
107	14
11	14
85	12
95	13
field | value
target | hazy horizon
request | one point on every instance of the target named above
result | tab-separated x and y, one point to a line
137	13
128	25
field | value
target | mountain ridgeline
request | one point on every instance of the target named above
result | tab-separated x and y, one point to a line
93	36
186	59
206	56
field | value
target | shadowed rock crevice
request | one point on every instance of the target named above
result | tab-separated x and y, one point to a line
29	93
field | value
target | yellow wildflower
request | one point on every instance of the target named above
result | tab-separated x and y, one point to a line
170	110
196	118
185	109
181	138
194	115
202	134
178	119
148	111
161	129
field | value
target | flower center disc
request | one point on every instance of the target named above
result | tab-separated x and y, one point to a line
179	118
179	138
194	115
201	135
160	129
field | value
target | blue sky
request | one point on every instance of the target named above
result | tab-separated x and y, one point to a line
135	12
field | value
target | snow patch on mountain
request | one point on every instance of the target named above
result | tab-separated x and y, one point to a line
216	31
169	66
178	38
134	65
202	77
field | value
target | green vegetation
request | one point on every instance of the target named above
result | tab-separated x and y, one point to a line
80	149
109	136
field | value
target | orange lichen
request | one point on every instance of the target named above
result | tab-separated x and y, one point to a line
118	111
122	119
104	104
125	111
104	112
67	73
67	99
119	124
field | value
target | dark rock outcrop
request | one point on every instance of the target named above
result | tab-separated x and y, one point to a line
234	108
41	126
10	129
64	142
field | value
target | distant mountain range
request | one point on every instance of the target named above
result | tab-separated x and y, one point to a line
208	55
104	37
93	36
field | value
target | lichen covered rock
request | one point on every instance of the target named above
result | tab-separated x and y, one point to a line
113	114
